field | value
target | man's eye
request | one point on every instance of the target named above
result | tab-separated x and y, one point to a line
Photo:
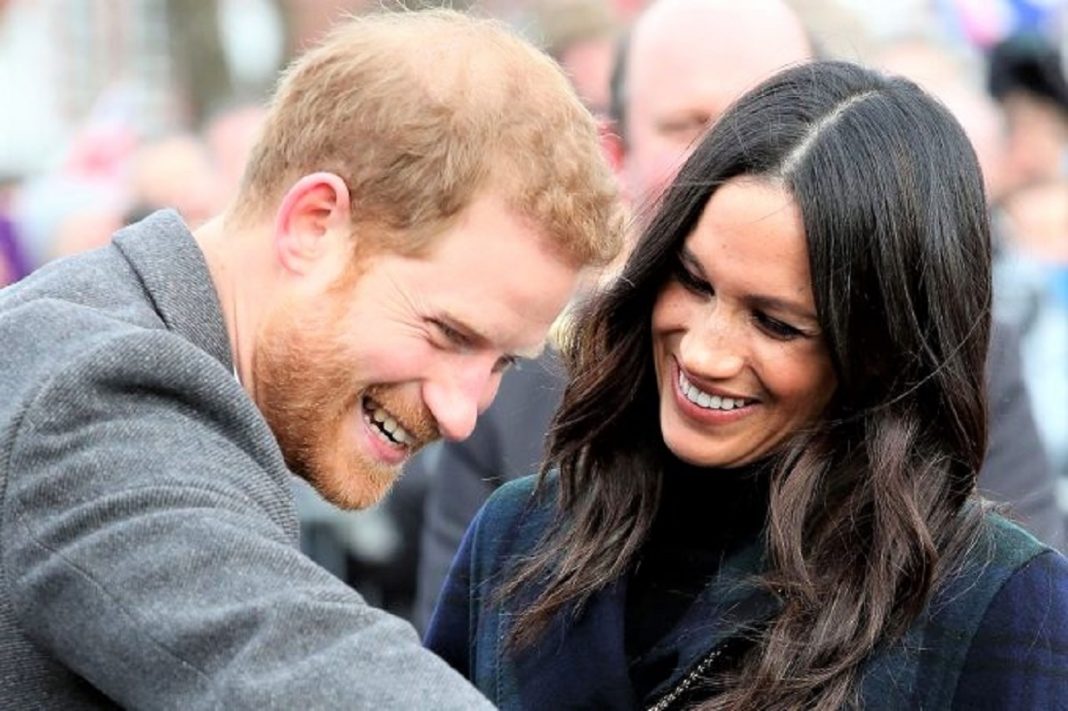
506	363
687	128
449	333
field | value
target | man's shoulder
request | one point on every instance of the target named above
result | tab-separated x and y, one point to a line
68	303
90	315
47	339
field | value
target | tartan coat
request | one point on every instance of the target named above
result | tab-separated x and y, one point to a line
995	635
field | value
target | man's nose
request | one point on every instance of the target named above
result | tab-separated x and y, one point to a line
456	399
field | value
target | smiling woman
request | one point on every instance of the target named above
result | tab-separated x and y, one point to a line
760	486
739	357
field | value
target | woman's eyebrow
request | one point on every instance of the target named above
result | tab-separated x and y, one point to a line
760	301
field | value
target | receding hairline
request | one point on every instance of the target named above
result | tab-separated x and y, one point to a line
455	49
660	26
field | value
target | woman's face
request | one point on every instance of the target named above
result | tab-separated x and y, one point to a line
741	363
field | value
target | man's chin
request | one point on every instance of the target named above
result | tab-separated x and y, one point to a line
355	490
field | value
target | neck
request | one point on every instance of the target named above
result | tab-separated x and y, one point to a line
232	262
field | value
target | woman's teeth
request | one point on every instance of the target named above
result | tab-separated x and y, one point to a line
708	402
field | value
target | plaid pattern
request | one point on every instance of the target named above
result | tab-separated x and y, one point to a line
995	637
1019	656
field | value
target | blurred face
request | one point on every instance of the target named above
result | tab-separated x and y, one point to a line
740	360
688	61
404	350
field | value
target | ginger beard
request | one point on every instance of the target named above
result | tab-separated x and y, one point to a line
316	406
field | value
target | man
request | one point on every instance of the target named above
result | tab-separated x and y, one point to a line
359	299
684	63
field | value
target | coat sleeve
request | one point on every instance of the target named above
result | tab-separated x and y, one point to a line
507	444
450	633
460	483
1018	658
468	624
147	548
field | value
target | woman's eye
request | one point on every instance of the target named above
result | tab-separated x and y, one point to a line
776	328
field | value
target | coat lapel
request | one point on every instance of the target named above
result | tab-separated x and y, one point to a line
580	663
175	275
581	660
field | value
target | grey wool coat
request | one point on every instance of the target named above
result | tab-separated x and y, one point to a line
148	541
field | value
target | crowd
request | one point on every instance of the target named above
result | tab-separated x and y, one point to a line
776	317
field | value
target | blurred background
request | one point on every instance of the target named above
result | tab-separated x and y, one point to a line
115	108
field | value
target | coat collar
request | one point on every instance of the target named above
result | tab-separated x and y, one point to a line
168	260
581	663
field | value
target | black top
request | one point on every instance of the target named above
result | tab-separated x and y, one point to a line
705	515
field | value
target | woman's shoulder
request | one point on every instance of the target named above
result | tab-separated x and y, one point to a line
522	498
1018	657
999	551
1033	586
1009	541
515	516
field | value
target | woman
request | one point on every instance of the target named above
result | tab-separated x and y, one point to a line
762	487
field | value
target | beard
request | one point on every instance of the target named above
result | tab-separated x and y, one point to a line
309	396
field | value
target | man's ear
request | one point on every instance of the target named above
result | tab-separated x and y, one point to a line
611	145
312	217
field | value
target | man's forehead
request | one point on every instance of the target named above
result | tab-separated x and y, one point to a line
728	45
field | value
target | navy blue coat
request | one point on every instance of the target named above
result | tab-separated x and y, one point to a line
995	636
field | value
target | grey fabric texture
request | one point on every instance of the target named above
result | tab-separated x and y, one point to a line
148	540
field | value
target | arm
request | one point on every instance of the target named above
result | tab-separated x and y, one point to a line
1018	658
452	622
458	488
148	545
1016	470
507	444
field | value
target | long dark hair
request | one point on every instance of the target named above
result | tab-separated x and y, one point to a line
867	508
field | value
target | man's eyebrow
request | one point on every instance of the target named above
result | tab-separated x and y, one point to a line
482	340
760	301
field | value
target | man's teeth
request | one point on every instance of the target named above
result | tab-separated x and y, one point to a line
703	399
389	428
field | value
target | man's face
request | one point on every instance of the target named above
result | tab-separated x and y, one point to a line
688	61
401	350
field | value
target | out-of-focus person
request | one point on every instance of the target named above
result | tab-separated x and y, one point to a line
175	171
1031	280
1027	76
230	135
582	36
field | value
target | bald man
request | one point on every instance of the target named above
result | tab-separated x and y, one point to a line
686	61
